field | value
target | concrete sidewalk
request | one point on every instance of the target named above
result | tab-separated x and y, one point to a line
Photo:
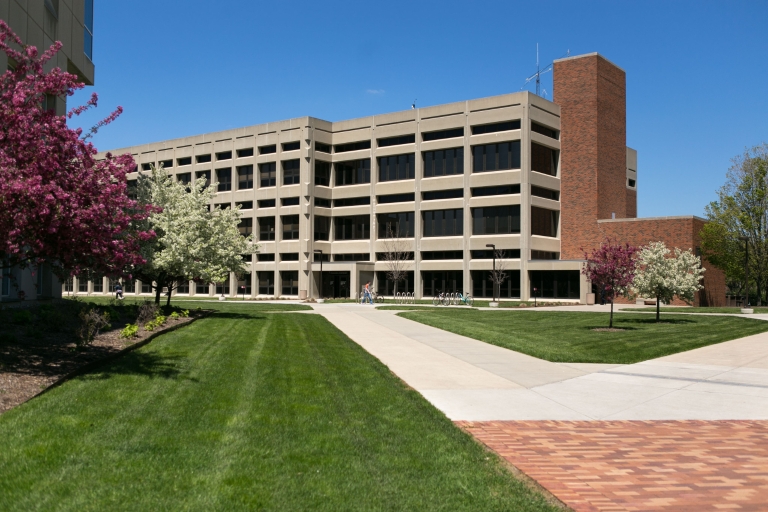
474	381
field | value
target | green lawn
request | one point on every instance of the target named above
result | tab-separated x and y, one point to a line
568	336
246	411
734	311
230	305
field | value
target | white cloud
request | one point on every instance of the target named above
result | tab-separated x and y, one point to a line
375	91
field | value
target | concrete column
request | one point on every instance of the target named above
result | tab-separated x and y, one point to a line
525	198
418	287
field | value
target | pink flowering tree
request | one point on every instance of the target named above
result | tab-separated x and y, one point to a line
611	268
58	204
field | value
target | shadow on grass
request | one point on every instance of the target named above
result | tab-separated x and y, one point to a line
237	316
142	363
652	321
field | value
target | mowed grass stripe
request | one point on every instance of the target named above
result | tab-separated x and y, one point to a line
244	411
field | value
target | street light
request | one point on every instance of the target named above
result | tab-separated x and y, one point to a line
493	276
746	270
320	295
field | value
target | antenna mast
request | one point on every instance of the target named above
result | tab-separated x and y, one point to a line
539	72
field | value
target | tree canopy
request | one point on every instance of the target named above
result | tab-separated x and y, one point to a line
611	268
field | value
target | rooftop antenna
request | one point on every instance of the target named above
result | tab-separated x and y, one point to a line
413	105
539	72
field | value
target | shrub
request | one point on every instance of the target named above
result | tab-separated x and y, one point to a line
22	317
130	331
184	313
147	312
174	315
91	323
157	322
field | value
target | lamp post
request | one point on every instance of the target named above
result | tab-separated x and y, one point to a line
493	276
320	295
746	270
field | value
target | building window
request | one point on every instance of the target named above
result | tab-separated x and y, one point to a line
543	160
498	190
222	206
325	148
631	183
132	189
244	177
322	173
396	225
353	172
507	254
205	176
98	285
268	150
88	29
549	132
224	177
291	146
354	227
82	285
352	201
443	223
245	226
266	203
496	157
290	280
543	222
385	286
242	153
289	256
396	198
146	167
290	227
555	284
146	287
482	286
203	159
322	228
443	134
166	164
224	155
266	283
442	255
202	289
183	287
185	178
445	162
396	141
244	284
268	174
496	220
358	256
184	161
291	172
545	193
266	257
69	285
545	255
222	288
322	203
352	146
435	195
289	201
248	257
496	127
397	167
449	281
266	228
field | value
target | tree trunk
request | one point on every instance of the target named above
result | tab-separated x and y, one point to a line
658	302
610	323
170	289
158	291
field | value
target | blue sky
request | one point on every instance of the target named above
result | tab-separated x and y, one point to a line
697	72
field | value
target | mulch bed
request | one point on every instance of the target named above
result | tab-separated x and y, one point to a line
35	356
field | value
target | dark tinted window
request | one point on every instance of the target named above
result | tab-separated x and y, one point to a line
555	284
443	223
352	201
267	203
290	279
352	146
266	229
488	255
166	163
355	227
290	227
359	256
322	228
543	160
289	201
396	225
443	134
267	150
446	281
396	198
496	157
289	256
224	155
545	255
442	194
266	279
246	226
396	141
543	222
353	172
244	177
444	162
184	161
482	286
265	257
323	203
631	183
397	167
496	220
242	153
545	193
184	178
322	173
245	205
496	127
224	177
549	132
291	146
201	159
203	175
442	255
498	190
146	167
325	148
291	172
268	174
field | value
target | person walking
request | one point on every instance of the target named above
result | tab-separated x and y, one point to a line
367	293
119	291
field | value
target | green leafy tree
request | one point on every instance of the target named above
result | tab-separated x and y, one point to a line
741	210
193	241
663	276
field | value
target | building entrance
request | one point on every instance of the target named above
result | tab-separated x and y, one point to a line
336	285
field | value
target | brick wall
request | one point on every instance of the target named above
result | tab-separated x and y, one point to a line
631	203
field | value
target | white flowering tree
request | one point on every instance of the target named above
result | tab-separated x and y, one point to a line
193	241
665	276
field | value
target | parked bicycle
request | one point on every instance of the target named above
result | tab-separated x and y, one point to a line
441	298
460	299
377	298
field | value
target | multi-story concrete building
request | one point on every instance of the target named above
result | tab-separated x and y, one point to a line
540	180
39	23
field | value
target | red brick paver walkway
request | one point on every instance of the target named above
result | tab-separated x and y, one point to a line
639	465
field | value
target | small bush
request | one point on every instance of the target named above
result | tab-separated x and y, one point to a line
184	313
147	312
22	317
157	322
91	323
174	315
130	331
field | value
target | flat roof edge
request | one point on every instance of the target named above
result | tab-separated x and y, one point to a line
642	219
593	54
